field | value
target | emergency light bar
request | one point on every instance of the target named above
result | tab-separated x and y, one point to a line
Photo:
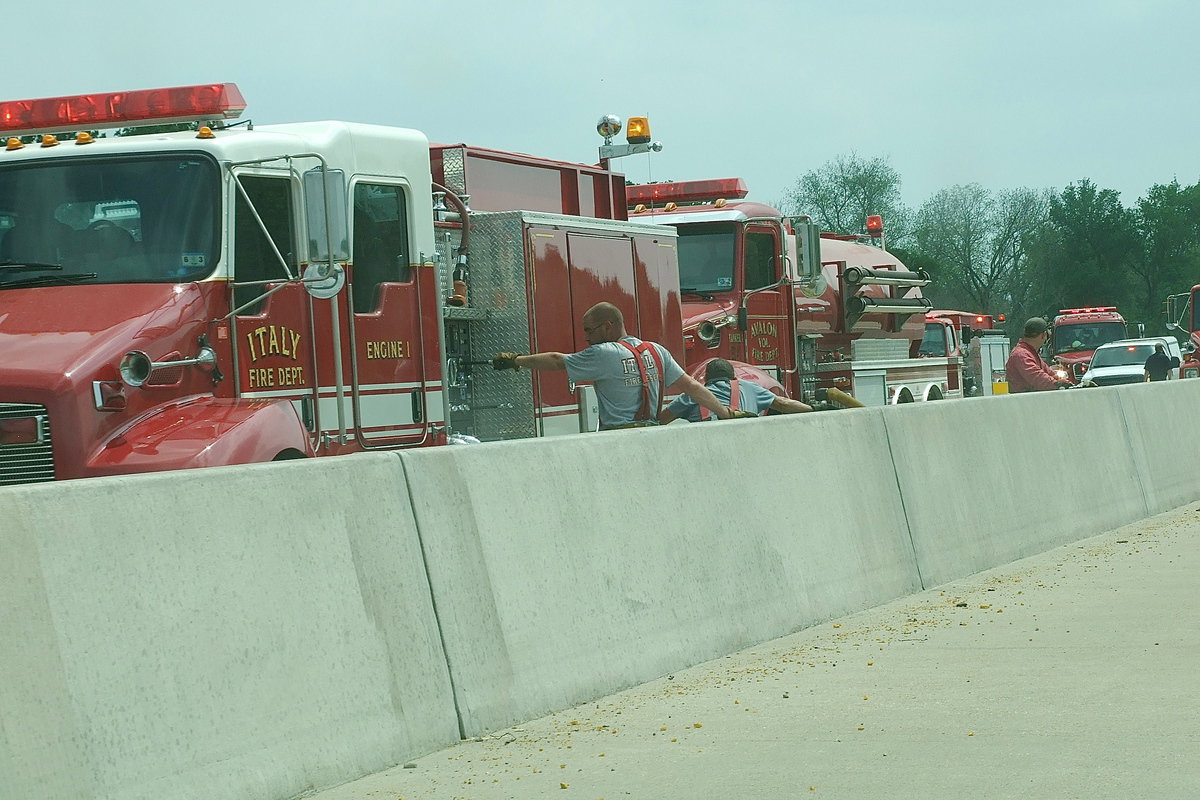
687	191
212	101
1087	310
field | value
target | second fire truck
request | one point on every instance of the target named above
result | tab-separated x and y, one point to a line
805	311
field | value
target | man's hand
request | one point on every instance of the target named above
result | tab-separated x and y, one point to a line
505	361
737	413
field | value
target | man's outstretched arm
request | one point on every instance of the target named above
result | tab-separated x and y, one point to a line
540	361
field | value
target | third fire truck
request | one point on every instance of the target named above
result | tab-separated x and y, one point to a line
1077	332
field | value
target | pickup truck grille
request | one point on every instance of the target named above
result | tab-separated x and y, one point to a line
26	462
1117	380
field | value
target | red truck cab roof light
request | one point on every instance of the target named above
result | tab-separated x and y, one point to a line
122	109
655	194
1091	310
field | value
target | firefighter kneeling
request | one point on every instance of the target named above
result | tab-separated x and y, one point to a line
744	398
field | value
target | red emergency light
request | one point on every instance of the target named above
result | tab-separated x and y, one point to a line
119	109
687	191
875	226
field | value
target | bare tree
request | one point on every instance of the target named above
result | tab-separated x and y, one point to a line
978	243
844	192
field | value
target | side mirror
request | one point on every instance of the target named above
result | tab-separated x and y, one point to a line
743	320
325	215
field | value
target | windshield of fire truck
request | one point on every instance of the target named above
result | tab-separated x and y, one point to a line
130	220
1086	335
933	343
706	257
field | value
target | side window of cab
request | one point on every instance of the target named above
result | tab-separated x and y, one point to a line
254	259
380	249
760	260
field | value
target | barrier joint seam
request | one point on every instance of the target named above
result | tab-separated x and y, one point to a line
437	616
1139	467
903	507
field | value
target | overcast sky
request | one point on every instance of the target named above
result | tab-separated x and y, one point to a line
1025	93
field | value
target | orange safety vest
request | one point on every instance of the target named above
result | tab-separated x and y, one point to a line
645	347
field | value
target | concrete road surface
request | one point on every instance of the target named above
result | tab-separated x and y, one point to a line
1072	674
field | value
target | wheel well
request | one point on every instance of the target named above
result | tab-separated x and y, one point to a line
288	455
902	395
933	392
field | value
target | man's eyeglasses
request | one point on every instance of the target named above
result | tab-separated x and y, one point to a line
590	329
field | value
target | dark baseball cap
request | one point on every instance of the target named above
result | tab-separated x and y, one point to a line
1035	326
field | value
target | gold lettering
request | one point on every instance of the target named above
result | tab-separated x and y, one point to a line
250	343
259	378
389	349
261	333
295	344
289	376
764	328
273	345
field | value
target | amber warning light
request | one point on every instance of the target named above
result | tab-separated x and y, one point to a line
875	225
213	101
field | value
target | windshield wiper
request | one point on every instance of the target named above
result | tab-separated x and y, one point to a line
47	280
25	266
697	292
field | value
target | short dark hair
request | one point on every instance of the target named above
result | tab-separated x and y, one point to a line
718	370
1035	326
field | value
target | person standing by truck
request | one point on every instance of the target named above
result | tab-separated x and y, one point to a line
631	376
1159	364
1026	370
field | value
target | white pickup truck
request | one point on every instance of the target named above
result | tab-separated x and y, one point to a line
1124	360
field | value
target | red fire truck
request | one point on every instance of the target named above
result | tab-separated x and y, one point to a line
804	311
1077	332
1182	317
237	293
956	333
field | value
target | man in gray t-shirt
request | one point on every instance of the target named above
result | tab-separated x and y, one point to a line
631	376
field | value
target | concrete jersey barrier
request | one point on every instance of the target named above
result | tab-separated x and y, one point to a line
997	479
607	560
259	631
242	633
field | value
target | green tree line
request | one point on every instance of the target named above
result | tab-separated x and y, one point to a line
1023	252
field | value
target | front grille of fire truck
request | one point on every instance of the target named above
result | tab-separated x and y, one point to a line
30	462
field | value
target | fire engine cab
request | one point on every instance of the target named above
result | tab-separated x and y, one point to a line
1077	332
232	293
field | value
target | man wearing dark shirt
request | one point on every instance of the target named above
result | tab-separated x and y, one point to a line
1159	364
